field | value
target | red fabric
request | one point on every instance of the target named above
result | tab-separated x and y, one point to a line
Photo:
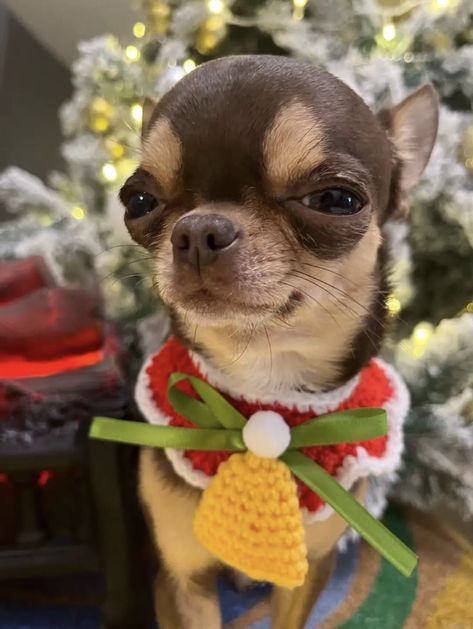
22	277
373	390
50	330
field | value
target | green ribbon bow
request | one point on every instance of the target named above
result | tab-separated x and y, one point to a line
220	428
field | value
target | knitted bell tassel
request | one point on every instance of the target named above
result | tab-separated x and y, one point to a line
249	516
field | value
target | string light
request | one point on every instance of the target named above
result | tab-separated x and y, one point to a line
109	172
100	124
45	220
440	5
299	9
389	31
78	213
393	305
100	115
136	112
420	339
422	332
188	65
215	6
139	30
132	53
114	148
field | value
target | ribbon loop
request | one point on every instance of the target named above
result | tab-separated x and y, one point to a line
214	413
219	428
350	426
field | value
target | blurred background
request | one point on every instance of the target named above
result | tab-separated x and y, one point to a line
73	77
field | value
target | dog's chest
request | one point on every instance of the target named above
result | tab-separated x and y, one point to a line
377	385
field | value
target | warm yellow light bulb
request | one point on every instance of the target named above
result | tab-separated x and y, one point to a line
100	124
78	213
188	65
114	148
132	53
299	4
393	305
109	172
422	333
45	220
389	31
139	30
136	112
215	6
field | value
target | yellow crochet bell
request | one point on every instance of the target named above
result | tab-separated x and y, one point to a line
249	518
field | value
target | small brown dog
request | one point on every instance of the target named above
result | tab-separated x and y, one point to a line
263	187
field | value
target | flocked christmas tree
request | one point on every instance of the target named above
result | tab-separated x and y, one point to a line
382	49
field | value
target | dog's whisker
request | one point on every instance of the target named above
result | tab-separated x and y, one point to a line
323	268
270	354
309	296
240	356
344	293
355	314
107	249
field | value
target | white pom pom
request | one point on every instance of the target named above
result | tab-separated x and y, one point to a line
266	434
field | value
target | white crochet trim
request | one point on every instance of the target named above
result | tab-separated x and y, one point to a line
353	468
318	403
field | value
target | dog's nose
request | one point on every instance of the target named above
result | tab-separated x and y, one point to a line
199	239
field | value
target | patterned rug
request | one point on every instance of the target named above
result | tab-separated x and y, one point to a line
364	592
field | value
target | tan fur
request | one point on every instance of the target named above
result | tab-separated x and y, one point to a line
162	155
274	314
171	505
293	145
285	355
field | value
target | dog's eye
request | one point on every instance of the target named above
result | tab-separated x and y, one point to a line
335	201
141	203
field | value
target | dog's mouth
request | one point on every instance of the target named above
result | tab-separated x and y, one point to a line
215	306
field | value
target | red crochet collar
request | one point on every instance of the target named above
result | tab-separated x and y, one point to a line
377	385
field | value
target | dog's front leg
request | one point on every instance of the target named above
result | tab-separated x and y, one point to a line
185	588
186	602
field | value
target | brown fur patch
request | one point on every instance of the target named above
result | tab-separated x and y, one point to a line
293	146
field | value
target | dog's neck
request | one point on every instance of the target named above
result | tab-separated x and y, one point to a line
318	348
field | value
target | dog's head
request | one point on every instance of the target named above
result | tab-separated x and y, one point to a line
263	186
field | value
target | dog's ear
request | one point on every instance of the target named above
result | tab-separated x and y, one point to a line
412	127
148	109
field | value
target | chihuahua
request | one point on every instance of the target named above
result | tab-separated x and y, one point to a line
262	191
